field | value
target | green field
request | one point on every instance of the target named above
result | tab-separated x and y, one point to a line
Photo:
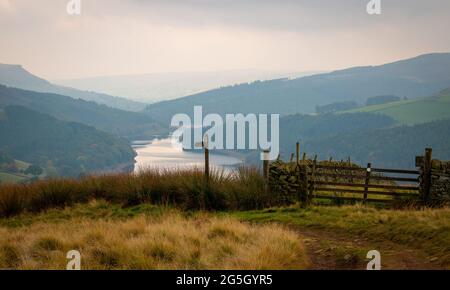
22	165
411	112
17	177
6	177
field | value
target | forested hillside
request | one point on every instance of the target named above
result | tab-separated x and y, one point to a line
306	127
123	123
70	148
390	147
364	137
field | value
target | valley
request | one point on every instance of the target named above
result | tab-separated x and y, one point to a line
325	135
272	137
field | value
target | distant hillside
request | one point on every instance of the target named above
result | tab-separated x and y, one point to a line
308	129
412	78
16	76
388	147
156	87
365	137
302	128
124	123
416	111
70	148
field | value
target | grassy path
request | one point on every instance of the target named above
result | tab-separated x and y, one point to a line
329	250
341	237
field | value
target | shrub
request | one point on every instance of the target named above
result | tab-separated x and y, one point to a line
53	194
11	200
9	256
48	244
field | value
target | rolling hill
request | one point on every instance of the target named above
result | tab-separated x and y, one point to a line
415	111
416	77
71	148
16	76
123	123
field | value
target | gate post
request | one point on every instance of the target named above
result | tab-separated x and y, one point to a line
206	147
426	175
312	184
266	165
366	188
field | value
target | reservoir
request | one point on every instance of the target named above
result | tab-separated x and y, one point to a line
162	154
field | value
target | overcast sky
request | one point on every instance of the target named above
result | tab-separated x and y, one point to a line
115	37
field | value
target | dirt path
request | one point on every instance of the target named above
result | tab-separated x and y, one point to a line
333	250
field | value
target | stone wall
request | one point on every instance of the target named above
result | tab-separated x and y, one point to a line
290	180
440	180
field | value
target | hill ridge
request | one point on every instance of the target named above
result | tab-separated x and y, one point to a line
413	78
18	77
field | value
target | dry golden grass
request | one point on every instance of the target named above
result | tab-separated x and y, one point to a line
170	241
427	230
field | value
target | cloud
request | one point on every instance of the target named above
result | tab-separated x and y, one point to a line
137	36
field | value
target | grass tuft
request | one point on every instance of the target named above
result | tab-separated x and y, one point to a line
167	241
185	189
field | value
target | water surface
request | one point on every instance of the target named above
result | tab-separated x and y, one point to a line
162	154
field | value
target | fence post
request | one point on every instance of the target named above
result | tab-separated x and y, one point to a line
206	147
266	166
313	180
366	187
298	153
426	178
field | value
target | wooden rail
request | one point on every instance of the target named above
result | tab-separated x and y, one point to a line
352	198
386	178
318	182
381	170
383	186
369	184
364	191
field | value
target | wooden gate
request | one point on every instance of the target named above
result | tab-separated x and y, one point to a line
363	184
346	181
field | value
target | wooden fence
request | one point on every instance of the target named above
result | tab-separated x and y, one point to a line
355	183
335	180
363	184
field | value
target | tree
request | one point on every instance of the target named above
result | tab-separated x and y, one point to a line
34	170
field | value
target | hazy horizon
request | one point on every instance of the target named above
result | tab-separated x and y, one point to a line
156	87
117	38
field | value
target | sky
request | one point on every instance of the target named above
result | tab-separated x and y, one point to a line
120	37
